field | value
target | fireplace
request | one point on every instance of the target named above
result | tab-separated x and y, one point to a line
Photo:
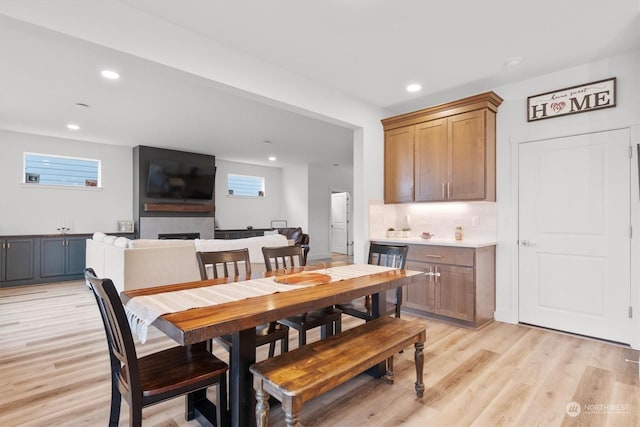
183	236
151	227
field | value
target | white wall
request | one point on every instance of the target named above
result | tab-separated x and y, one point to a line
240	212
322	182
39	210
295	197
512	128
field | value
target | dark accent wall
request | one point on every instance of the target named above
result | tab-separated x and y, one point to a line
142	157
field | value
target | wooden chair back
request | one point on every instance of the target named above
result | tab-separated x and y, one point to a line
223	260
276	257
388	255
122	350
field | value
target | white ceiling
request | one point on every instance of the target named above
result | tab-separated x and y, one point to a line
367	49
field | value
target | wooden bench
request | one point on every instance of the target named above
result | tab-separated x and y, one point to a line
306	372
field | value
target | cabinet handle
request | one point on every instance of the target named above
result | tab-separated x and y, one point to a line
448	190
433	256
437	274
443	190
8	245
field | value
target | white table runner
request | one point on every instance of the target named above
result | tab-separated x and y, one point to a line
142	311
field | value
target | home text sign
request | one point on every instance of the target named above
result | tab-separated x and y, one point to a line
576	99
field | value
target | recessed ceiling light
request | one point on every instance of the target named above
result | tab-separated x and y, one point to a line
414	87
73	126
110	74
272	158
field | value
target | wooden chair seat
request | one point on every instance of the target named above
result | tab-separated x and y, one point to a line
265	334
164	373
361	308
312	319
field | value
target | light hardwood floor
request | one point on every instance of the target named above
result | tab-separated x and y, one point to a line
54	371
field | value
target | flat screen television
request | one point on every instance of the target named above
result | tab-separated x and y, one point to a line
180	180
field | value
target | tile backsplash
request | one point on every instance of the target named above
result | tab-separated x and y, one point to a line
478	219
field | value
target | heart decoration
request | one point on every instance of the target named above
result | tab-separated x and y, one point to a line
557	106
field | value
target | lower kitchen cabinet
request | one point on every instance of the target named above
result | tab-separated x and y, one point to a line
32	259
460	283
62	256
16	259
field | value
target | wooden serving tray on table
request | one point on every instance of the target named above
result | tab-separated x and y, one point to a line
303	278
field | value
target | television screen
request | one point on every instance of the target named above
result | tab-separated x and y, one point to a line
179	180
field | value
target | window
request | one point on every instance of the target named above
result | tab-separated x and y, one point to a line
245	185
61	171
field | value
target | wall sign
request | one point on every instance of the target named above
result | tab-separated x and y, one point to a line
572	100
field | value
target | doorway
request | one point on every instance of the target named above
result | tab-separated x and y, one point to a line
574	222
340	211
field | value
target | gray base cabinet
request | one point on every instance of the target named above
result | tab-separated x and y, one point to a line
16	259
28	260
62	256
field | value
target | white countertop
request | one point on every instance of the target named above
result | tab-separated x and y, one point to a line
434	241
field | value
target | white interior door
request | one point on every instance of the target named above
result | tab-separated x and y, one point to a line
574	234
340	223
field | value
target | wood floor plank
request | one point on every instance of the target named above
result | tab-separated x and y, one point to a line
54	371
593	393
458	379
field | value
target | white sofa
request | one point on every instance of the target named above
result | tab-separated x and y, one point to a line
135	264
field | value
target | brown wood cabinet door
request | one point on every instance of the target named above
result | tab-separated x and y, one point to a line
467	156
454	292
398	165
421	297
431	160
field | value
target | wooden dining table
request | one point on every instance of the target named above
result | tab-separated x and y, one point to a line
240	319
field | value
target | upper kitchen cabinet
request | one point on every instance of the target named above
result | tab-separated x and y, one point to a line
443	153
398	163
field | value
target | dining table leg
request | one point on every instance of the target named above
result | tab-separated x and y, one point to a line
241	397
378	305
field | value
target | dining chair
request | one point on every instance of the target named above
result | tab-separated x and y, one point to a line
222	262
328	318
160	376
389	256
